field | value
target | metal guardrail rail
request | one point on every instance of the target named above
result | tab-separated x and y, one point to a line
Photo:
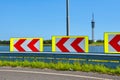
110	60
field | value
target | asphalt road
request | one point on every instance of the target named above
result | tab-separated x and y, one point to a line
8	73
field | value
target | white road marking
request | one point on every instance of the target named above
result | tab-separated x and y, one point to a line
57	74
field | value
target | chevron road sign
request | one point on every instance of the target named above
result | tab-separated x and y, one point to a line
112	42
70	44
26	44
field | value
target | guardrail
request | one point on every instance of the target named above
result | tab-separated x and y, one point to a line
109	60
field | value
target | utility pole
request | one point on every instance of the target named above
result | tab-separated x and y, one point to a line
67	18
93	26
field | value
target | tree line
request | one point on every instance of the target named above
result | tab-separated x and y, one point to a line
4	42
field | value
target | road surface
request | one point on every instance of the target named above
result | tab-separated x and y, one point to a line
8	73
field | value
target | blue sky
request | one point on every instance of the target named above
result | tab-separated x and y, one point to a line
44	18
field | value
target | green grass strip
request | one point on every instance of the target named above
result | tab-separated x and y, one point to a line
63	66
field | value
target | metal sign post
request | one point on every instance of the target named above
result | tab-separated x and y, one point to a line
67	17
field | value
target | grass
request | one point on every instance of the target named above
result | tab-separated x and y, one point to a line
47	44
4	44
63	66
97	44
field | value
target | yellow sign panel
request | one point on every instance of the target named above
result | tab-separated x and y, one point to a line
69	43
26	44
112	42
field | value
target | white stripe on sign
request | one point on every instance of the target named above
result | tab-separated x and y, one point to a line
82	44
57	40
68	45
110	48
24	45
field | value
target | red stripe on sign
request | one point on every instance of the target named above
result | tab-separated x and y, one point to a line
76	46
61	46
114	43
31	45
18	44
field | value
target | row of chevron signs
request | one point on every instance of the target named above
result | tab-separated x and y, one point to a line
59	44
77	44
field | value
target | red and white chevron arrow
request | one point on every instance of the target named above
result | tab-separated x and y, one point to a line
115	43
23	45
70	44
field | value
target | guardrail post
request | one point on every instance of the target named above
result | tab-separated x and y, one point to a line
23	58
